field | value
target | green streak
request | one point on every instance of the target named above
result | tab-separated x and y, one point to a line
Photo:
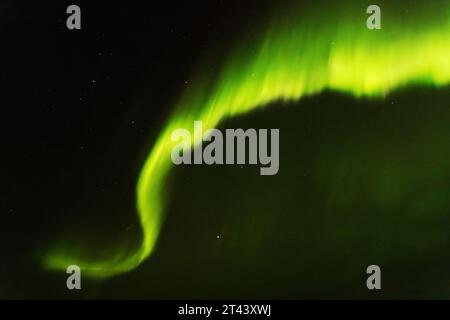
297	55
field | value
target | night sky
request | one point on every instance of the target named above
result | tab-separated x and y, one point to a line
361	181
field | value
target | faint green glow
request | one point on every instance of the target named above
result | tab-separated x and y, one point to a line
297	55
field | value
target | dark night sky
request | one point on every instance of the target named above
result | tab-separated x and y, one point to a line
81	110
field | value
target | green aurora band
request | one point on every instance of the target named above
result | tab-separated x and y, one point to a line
296	55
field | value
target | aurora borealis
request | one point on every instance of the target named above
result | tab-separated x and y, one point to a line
360	151
294	55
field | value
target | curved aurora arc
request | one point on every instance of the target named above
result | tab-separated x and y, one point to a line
329	50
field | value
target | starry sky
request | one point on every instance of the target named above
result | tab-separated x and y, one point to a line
366	181
81	111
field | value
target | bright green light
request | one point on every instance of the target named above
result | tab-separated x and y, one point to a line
299	56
